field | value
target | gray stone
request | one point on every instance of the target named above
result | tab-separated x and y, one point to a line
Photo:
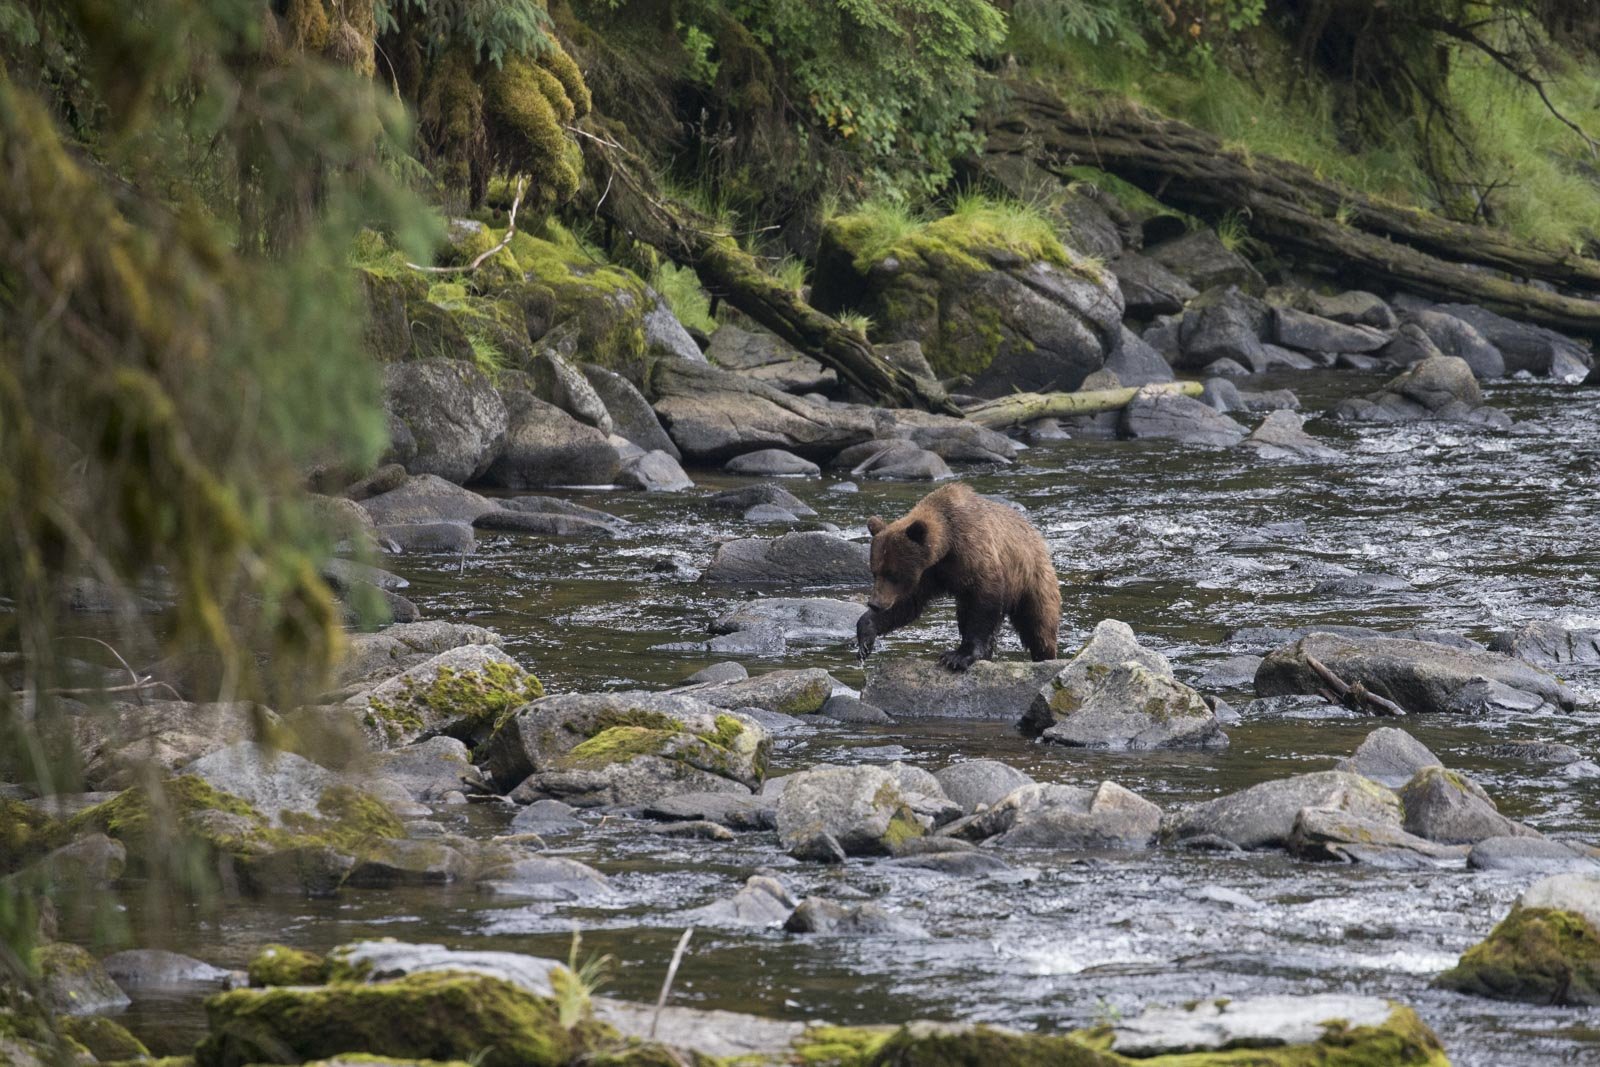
845	708
1456	337
92	862
545	446
665	335
552	377
761	902
748	496
150	970
1353	308
1178	418
768	359
1066	817
862	808
452	411
399	710
980	783
769	462
1419	676
718	672
274	783
1547	752
1230	672
1263	816
919	688
1221	395
123	741
1136	363
1451	808
1259	1022
1525	347
1200	258
547	817
1389	756
72	982
805	558
1410	344
902	461
631	414
816	620
1148	288
1530	855
390	651
1282	436
816	915
387	864
654	472
1223	324
791	692
551	878
1312	333
736	812
426	770
714	414
1342	837
452	538
1545	643
1355	584
427	498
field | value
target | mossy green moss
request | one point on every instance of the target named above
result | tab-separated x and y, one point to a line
279	965
618	744
477	701
106	1039
1538	955
25	834
132	815
435	1016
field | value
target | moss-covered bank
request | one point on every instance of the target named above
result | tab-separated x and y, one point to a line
1539	955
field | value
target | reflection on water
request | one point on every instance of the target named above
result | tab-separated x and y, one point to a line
1183	544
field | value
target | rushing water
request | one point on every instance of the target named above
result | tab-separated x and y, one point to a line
1185	545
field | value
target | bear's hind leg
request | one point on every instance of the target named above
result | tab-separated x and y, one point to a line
1037	619
980	626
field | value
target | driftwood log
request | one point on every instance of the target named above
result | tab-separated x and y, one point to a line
628	199
1290	208
1356	696
1020	408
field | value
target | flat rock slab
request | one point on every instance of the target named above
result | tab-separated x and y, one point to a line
992	690
808	558
802	619
1260	1022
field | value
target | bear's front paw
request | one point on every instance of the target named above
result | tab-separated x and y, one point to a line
866	635
957	660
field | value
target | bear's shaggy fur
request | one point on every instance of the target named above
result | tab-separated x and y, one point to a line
986	555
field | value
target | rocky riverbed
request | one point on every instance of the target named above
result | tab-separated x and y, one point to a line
908	881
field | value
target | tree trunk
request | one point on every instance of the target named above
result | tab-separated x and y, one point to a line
1020	408
1290	208
629	200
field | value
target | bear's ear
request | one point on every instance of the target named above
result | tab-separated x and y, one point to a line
876	525
918	532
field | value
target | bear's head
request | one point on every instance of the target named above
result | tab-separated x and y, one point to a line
901	552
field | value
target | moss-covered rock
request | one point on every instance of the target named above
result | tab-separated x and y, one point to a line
26	833
432	1016
277	965
72	982
988	291
106	1039
466	692
1538	955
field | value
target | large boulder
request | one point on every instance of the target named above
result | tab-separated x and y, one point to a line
1117	694
277	784
546	446
552	375
789	692
1546	643
451	411
122	741
1389	756
811	557
1013	312
1420	676
1353	308
426	498
815	915
713	415
1148	288
1454	336
461	691
980	783
803	620
1178	418
1136	363
376	656
863	809
768	359
631	414
1437	388
1546	951
1282	437
1525	347
1200	258
1450	808
1264	815
1312	333
1066	817
1223	324
591	750
919	688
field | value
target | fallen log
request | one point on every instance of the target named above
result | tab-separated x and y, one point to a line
1020	408
1292	209
631	202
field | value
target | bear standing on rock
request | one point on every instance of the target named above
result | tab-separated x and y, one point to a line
986	555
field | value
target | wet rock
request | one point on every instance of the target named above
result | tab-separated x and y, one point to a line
72	982
125	740
1270	400
816	915
1456	337
1044	430
1544	643
803	620
625	748
1066	817
770	462
761	902
763	639
1270	637
963	864
551	505
654	472
1418	676
926	799
1546	951
92	862
387	477
1389	756
148	970
902	461
427	498
862	808
1331	834
1178	418
375	656
452	538
743	813
1523	346
919	688
713	415
980	783
1148	288
843	707
1441	388
1221	395
696	830
956	440
547	817
631	414
1281	436
718	672
1356	584
545	446
426	770
1353	308
1448	807
1312	333
1230	672
1410	344
768	359
1265	1023
387	864
552	878
551	375
791	692
1263	816
766	513
1200	258
806	558
1223	324
1530	855
453	692
1136	363
274	783
749	496
1547	752
452	412
1117	694
818	847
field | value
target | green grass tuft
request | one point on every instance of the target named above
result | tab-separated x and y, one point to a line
680	288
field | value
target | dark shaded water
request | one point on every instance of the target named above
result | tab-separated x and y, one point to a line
1490	528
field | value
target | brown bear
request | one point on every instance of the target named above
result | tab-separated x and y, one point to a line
986	555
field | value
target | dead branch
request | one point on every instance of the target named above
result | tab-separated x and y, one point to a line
511	231
1356	697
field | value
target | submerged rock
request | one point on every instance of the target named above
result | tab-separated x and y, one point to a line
761	902
1419	676
1531	855
1546	951
748	496
1282	436
816	915
803	620
1437	388
919	688
1178	418
144	970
